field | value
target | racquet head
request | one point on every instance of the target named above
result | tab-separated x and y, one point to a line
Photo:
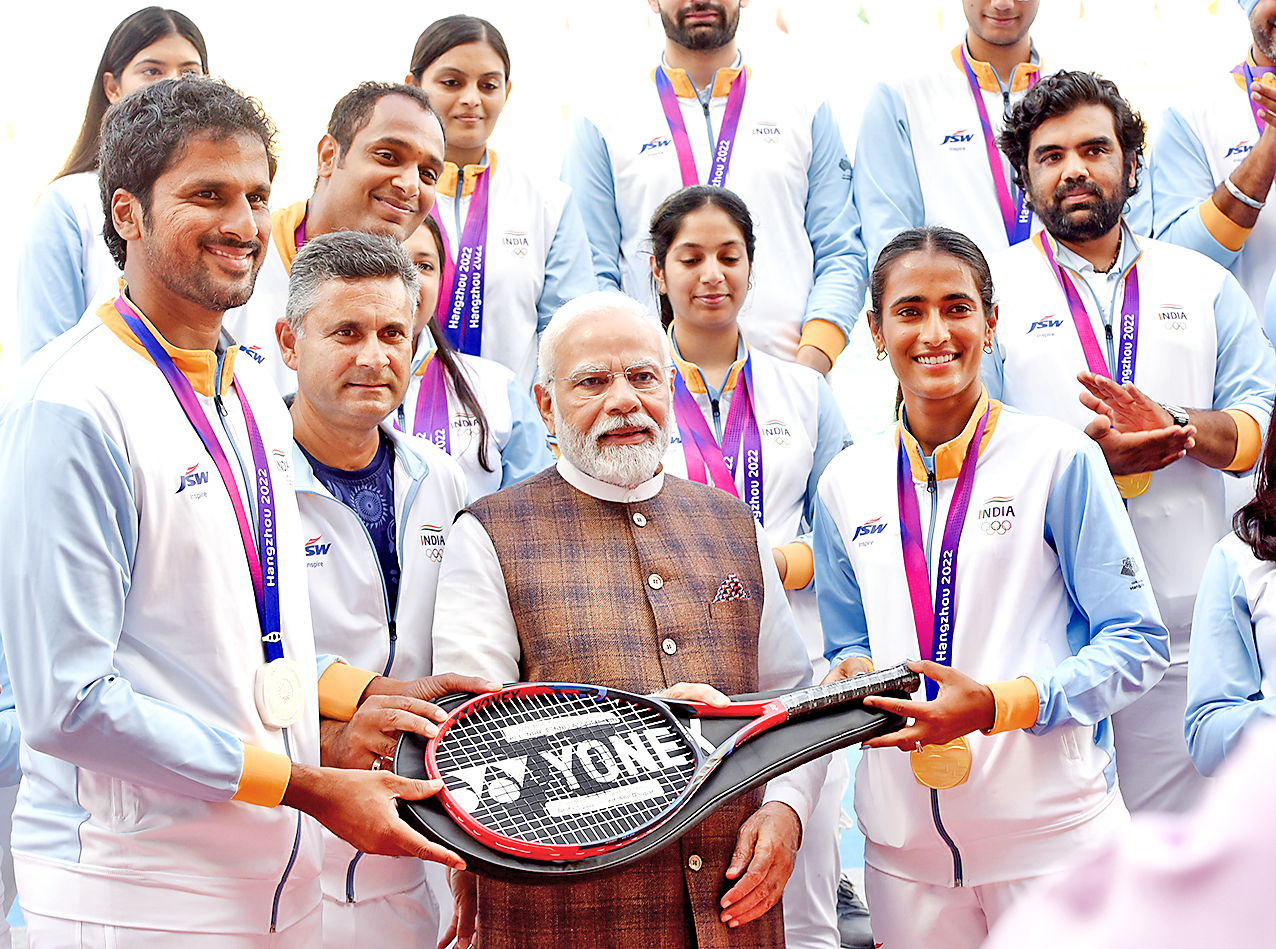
560	772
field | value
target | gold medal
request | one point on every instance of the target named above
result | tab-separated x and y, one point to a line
942	766
1131	486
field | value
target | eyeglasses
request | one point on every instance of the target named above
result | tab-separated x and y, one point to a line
592	383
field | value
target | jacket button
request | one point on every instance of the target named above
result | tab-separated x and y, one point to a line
694	861
669	647
640	519
655	581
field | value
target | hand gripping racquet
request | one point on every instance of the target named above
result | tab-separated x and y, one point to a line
556	772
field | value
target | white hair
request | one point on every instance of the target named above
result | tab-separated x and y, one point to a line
573	311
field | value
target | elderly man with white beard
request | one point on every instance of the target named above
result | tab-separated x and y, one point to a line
603	569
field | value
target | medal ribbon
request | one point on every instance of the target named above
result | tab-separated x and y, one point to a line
1016	216
463	319
702	450
721	159
261	553
431	416
940	616
1127	345
1251	73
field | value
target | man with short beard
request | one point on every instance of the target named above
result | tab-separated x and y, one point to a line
1115	334
1215	158
602	569
701	117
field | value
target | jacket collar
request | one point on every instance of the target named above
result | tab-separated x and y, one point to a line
407	457
987	76
283	231
199	366
684	88
694	378
468	175
950	455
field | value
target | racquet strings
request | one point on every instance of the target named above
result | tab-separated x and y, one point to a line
568	768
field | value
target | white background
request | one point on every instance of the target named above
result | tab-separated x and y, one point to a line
299	58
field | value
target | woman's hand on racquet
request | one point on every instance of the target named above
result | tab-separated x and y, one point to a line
359	807
464	886
765	850
961	707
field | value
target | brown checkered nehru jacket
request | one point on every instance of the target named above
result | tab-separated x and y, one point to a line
622	595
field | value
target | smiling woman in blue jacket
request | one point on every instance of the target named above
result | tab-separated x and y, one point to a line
993	785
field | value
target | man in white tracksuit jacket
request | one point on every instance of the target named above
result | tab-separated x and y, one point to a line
156	742
376	506
1174	329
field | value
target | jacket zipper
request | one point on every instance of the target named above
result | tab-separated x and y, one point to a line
717	419
933	490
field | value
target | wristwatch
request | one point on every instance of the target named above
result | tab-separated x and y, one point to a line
1177	413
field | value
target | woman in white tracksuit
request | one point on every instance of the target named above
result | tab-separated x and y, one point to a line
992	786
790	427
65	264
473	408
515	245
1231	670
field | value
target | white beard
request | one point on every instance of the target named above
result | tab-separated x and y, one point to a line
626	466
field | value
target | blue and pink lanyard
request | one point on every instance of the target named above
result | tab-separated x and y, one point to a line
1127	343
706	458
261	552
1016	216
935	620
460	313
431	417
721	159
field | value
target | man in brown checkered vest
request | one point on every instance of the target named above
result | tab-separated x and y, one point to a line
603	570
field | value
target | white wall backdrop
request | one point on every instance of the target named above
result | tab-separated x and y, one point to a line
298	59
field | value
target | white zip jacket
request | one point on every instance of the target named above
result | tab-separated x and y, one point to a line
802	429
517	441
1201	142
132	637
920	157
349	608
1231	676
1053	610
789	166
1199	346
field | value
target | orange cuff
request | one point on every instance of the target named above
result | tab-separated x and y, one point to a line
1221	227
799	564
827	337
340	687
264	778
1017	704
1249	440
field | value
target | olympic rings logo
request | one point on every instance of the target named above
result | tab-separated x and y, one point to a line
997	527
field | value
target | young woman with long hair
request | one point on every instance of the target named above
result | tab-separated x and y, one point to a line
763	429
475	409
514	245
991	786
64	261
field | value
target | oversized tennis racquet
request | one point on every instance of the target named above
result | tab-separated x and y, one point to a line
549	771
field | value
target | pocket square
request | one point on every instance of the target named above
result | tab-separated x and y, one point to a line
731	589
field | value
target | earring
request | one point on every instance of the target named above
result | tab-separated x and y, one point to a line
988	348
881	354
